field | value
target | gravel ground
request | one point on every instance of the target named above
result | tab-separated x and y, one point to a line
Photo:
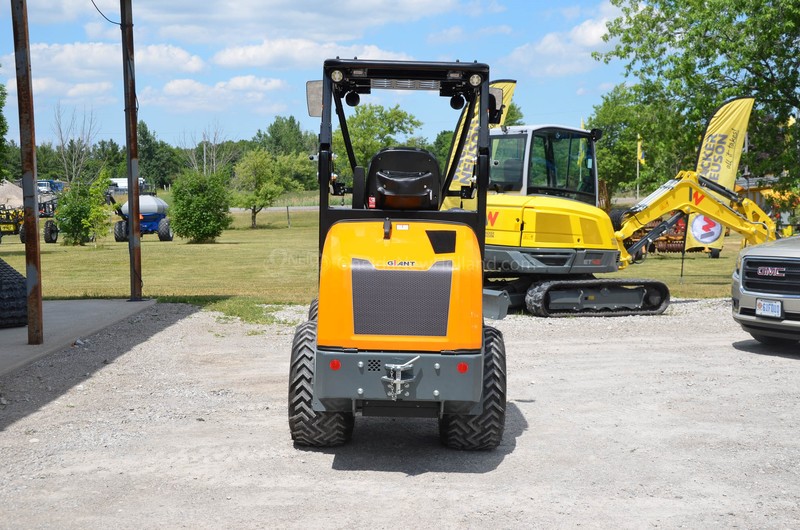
178	419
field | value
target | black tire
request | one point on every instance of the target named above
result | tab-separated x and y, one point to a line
617	216
307	426
50	231
313	309
773	341
121	231
714	253
484	431
164	230
22	234
13	297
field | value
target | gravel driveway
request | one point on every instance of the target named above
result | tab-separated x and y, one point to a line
177	419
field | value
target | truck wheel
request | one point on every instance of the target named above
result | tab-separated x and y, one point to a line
307	426
121	231
714	253
773	341
50	231
484	431
22	234
164	230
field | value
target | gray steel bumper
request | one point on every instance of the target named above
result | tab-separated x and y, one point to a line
405	376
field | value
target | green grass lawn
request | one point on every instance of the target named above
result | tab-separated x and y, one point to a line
273	264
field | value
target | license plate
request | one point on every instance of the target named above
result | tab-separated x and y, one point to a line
768	308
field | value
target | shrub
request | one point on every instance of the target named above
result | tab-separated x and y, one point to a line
200	206
82	213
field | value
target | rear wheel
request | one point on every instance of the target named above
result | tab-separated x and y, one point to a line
13	297
307	426
121	231
313	309
164	230
484	431
22	234
50	231
773	341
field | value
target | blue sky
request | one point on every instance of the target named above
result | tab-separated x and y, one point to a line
232	66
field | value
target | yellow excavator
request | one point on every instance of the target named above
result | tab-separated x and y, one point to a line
546	237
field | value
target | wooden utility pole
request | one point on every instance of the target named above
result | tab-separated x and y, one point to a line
131	117
27	143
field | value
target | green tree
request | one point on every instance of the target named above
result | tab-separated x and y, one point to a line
441	148
700	54
159	162
372	128
200	206
259	179
283	137
514	115
669	140
48	163
82	214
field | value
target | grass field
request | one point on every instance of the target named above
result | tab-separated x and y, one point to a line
247	269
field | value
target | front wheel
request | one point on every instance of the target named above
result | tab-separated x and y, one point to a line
307	426
484	431
50	231
773	341
164	230
121	231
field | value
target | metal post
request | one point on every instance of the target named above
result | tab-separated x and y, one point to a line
27	144
134	229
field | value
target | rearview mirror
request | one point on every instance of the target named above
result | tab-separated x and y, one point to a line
314	98
495	105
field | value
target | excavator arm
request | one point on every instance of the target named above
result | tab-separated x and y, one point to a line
690	193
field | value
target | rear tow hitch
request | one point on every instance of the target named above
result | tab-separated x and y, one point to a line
399	378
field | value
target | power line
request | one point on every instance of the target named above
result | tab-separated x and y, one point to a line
102	15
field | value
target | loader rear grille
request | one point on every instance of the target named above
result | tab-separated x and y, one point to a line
401	302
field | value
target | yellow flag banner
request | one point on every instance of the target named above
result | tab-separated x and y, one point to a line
718	160
468	156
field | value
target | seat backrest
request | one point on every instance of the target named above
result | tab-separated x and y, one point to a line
404	178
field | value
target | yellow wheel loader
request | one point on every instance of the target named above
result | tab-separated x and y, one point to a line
398	328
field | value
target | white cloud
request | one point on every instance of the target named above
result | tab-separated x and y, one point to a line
285	53
97	30
167	58
564	53
447	35
190	95
255	20
82	90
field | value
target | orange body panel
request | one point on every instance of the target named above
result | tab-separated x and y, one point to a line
397	274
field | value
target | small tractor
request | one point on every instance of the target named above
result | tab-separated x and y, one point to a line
398	328
152	218
11	221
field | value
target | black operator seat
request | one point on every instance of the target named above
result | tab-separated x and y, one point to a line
404	178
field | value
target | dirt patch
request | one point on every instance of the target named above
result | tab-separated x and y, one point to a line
178	419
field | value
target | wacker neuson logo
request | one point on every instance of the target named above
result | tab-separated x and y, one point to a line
774	272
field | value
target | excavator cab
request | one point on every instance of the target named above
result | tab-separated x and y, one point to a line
398	328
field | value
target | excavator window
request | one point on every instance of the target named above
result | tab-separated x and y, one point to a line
508	153
561	163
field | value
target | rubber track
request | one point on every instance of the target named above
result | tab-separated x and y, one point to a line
484	431
536	296
307	426
13	297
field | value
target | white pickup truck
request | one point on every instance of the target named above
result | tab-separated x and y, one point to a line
766	291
